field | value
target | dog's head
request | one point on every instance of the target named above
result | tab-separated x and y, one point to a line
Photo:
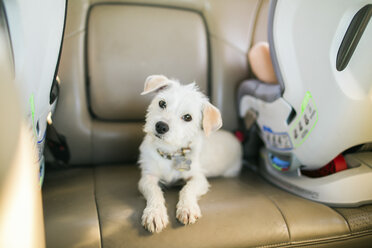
178	112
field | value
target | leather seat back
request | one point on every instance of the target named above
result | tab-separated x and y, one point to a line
111	47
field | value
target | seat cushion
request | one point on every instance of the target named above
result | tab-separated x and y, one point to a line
237	212
70	214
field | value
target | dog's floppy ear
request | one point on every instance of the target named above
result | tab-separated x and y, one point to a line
155	83
212	120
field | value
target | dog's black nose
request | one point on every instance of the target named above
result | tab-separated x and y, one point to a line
161	127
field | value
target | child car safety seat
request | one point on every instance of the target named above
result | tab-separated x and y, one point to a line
35	44
316	124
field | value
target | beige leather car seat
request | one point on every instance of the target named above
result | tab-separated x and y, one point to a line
109	49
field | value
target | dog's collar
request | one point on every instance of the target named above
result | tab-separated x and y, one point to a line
179	153
180	161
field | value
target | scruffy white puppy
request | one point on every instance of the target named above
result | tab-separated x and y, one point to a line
181	143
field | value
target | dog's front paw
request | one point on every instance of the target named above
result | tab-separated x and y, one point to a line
188	212
155	219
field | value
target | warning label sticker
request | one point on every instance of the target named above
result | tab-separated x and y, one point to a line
276	140
305	122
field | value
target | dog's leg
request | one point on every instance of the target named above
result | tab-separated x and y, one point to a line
154	217
188	210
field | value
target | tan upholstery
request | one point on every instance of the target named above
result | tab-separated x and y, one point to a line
100	206
262	22
127	43
243	212
68	196
217	48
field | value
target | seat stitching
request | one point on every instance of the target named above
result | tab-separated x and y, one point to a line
320	240
346	220
97	207
283	216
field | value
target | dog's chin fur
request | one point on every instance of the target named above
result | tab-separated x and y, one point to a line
217	155
162	141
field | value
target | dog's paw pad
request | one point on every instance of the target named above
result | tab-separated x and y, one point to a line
188	213
155	219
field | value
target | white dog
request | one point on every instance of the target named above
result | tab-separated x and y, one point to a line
181	143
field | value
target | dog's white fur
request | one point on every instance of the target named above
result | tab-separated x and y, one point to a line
212	153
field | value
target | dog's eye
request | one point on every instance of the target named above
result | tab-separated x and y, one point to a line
187	117
162	104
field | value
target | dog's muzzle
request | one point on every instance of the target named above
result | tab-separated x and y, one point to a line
161	127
